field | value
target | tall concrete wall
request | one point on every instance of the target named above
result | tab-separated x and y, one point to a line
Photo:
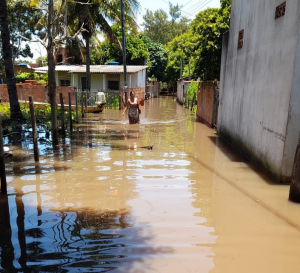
257	81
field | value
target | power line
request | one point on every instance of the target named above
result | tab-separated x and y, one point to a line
193	7
198	9
186	3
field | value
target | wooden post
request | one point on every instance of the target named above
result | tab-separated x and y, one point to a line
76	104
34	132
70	112
85	101
2	163
62	113
82	112
193	102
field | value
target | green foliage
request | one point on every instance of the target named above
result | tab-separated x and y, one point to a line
21	77
202	43
209	27
42	115
4	110
192	90
22	20
161	30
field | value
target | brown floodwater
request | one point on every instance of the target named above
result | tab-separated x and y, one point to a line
103	202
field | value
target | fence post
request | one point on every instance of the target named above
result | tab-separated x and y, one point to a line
34	132
46	93
85	100
2	164
82	112
70	112
193	102
62	112
76	104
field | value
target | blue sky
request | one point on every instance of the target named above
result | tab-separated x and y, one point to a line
190	8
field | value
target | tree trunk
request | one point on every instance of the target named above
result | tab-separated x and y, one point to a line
88	62
295	184
15	111
51	75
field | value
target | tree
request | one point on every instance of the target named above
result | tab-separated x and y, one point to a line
179	50
15	111
52	33
158	59
140	51
160	29
209	27
96	16
22	23
202	44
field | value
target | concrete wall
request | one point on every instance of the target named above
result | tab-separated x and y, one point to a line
205	103
257	81
153	89
182	86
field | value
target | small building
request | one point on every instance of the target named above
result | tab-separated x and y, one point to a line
103	77
259	109
182	86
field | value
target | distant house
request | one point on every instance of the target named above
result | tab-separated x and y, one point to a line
103	77
259	109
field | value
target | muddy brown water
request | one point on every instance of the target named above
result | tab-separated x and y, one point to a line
104	202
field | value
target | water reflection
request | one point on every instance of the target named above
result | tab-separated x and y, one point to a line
101	201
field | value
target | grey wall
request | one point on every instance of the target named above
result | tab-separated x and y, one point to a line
257	81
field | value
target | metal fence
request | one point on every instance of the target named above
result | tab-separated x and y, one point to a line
111	97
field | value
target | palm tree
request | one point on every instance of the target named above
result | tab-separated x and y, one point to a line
96	16
15	111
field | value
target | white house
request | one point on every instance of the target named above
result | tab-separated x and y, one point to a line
103	77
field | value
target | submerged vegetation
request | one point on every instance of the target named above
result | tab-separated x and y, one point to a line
42	115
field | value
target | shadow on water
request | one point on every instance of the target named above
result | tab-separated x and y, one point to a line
69	240
235	155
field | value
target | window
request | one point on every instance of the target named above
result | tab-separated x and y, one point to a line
64	82
113	85
59	58
280	10
241	39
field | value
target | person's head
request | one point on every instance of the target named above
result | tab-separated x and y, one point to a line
131	94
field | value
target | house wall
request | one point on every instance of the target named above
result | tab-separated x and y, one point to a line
96	82
141	78
257	80
100	81
180	91
63	76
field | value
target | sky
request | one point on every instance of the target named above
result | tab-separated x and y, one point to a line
190	9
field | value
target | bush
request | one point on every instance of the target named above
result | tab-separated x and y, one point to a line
21	77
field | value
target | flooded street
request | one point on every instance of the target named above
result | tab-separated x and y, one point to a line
105	202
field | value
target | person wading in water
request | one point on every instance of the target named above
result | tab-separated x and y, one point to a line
133	109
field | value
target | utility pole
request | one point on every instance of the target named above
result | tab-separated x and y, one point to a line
124	52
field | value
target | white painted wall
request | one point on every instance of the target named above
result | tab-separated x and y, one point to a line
96	82
134	80
257	81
